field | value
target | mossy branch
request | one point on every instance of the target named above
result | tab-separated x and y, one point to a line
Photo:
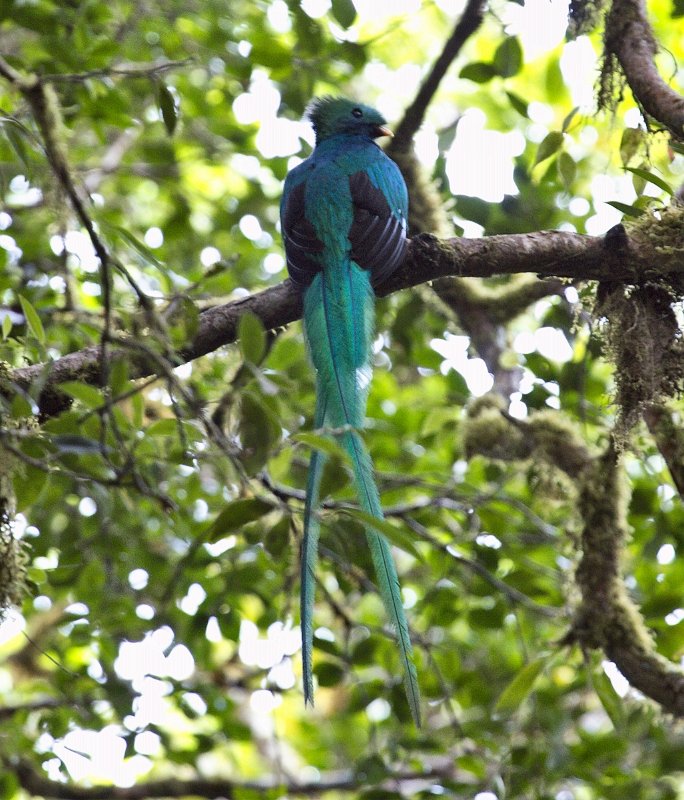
606	617
629	40
546	253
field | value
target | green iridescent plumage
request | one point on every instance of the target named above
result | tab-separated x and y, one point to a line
343	217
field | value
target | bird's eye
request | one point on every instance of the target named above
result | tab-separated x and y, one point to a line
356	112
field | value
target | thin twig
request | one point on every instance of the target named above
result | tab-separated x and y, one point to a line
124	71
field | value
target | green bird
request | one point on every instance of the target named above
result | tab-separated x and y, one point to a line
343	218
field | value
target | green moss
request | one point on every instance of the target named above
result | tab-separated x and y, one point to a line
13	556
548	436
558	441
490	434
642	338
607	617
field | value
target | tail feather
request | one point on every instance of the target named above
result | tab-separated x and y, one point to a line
338	318
309	554
385	571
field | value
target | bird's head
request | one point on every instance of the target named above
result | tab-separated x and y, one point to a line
338	115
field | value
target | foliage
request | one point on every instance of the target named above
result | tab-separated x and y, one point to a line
162	516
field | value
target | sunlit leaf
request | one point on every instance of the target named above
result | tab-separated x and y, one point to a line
631	142
610	700
567	168
518	103
478	71
568	119
521	686
32	319
508	57
85	393
549	146
651	178
630	211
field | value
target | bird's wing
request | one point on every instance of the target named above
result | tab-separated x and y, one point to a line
299	236
378	233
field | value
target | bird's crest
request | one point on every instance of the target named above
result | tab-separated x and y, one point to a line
339	115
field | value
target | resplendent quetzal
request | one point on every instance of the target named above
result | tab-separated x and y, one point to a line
343	216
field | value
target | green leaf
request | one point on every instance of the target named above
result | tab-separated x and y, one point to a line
326	444
163	427
28	483
478	71
344	12
17	138
630	143
518	103
630	211
136	244
259	430
651	178
32	319
183	321
237	514
73	443
610	699
167	106
328	674
568	119
277	540
549	145
508	57
397	536
371	769
252	338
678	147
88	395
567	169
6	326
118	376
521	686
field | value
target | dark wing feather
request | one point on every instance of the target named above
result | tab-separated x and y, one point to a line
377	236
300	239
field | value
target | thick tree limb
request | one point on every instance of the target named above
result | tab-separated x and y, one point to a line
630	38
546	253
607	618
35	783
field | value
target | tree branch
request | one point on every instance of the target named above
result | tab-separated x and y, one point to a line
607	618
630	38
546	253
34	783
668	436
413	117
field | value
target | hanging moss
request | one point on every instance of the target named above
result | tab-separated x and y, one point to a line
642	338
12	550
13	555
488	431
548	436
583	16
